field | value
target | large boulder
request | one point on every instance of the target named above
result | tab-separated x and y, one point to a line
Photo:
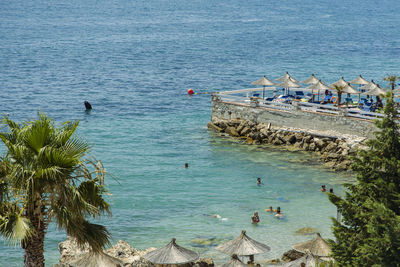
291	255
70	250
231	131
246	130
331	147
299	136
123	251
307	139
214	127
221	123
319	143
306	231
290	139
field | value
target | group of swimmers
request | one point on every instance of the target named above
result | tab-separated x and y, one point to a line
255	218
323	189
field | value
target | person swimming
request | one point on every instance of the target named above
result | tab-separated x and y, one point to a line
259	183
270	209
323	188
278	212
213	216
255	219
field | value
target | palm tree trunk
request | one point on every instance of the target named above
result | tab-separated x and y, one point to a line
34	246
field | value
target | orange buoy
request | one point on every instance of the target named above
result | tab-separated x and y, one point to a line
190	91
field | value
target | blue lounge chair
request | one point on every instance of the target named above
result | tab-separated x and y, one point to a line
298	95
348	100
367	107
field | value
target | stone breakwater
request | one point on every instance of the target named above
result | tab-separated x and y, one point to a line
335	151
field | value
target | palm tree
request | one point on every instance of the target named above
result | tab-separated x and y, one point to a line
44	177
339	90
391	79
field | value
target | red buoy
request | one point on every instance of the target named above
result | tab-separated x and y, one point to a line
190	91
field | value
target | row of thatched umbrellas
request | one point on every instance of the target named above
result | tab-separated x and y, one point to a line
288	81
173	254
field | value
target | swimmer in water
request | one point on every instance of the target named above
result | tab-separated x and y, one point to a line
270	209
213	216
255	219
259	183
323	188
278	212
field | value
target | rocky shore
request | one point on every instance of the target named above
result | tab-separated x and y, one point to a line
121	254
334	150
124	255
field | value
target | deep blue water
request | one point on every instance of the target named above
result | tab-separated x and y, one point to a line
134	61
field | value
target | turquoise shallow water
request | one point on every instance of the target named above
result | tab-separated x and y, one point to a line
134	61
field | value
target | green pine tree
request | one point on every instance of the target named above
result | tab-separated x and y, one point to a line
369	233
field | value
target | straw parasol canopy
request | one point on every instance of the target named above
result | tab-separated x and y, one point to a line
264	81
349	89
234	262
359	80
375	90
171	254
317	247
340	82
243	246
311	80
288	84
368	86
96	260
287	77
308	259
320	85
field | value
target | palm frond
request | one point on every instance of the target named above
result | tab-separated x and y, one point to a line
95	235
66	132
91	192
15	227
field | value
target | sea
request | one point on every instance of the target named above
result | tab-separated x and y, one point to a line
134	62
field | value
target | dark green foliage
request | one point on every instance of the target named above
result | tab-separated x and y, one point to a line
369	234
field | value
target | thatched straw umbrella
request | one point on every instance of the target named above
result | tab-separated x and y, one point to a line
368	86
287	77
317	247
359	80
96	260
171	254
243	246
340	82
311	80
289	83
320	85
264	81
234	262
375	90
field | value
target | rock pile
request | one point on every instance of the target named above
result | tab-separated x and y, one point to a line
122	251
333	151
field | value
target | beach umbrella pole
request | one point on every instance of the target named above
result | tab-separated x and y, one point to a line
263	92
